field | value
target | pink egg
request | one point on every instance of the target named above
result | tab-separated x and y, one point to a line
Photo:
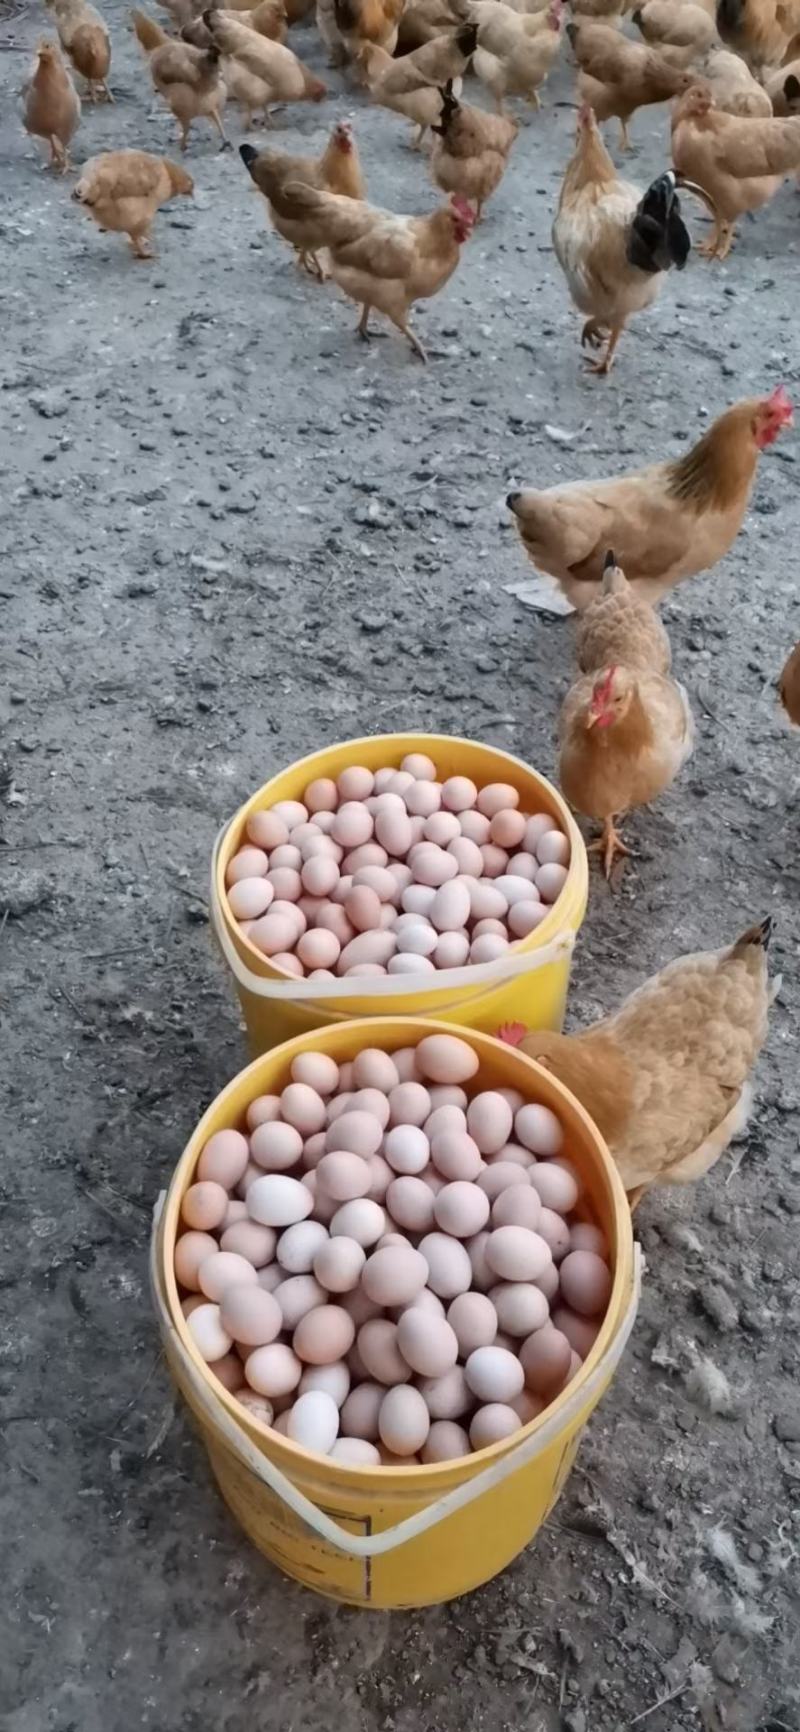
363	908
394	1274
248	863
263	1110
228	1371
358	1133
423	799
372	1101
321	795
497	797
536	827
445	1441
313	1150
224	1158
440	829
507	828
303	1108
273	1370
474	1319
374	1069
205	1327
273	934
293	812
368	947
498	1177
266	830
487	948
223	1269
394	832
288	963
319	949
452	950
448	1114
449	1266
276	1147
355	783
550	881
450	909
524	866
556	1185
325	1334
517	1254
363	1220
383	778
377	1345
338	1264
416	900
332	918
545	1358
555	1232
492	1423
409	1103
319	875
585	1236
447	1397
495	860
461	1209
474	826
250	1315
459	794
419	766
467	855
539	1130
352	825
192	1249
410	1203
406	1147
486	901
297	1296
204	1207
344	1175
286	883
379	880
489	1121
286	856
456	1156
579	1331
552	849
367	854
524	917
517	1206
520	1307
585	1282
251	1241
250	897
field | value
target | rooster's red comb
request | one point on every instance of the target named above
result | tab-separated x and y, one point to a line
780	402
512	1033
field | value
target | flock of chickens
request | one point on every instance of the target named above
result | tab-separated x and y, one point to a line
666	1078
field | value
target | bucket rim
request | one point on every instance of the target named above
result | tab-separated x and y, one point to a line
377	1030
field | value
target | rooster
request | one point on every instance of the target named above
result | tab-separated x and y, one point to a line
337	170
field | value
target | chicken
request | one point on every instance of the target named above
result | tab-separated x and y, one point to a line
361	21
422	20
519	58
409	85
330	33
782	88
337	170
608	10
618	76
188	78
123	189
625	735
275	66
759	30
242	85
666	1077
683	26
666	522
789	686
382	260
619	627
471	152
739	162
614	243
84	37
268	19
52	107
732	84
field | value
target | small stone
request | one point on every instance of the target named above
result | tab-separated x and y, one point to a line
22	890
718	1306
49	404
786	1424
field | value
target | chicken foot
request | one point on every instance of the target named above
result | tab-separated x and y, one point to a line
59	155
720	243
606	362
365	334
141	245
624	135
609	845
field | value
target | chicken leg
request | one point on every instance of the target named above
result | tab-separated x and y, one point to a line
141	244
609	845
606	362
624	135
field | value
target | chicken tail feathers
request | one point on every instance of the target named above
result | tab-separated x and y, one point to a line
613	581
658	237
729	18
249	156
467	39
450	108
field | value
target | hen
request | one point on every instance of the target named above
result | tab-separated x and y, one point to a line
732	84
618	76
409	85
741	163
422	20
619	627
52	107
123	189
515	51
188	78
782	90
666	522
472	149
789	686
759	30
382	260
277	68
84	37
359	22
614	243
337	170
666	1077
626	731
677	26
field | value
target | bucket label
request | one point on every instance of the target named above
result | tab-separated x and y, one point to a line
288	1540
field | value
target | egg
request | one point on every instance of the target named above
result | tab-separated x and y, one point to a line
263	1110
406	1148
371	1101
191	1251
417	939
314	1421
319	875
449	1267
409	1104
428	1344
273	1370
363	908
256	1405
585	1282
458	794
359	1416
524	917
267	830
545	1359
447	1397
324	1334
539	1130
489	1121
298	1246
303	1108
363	1220
206	1329
367	948
495	860
432	868
379	1350
250	897
334	1379
555	1186
497	797
403	1421
287	856
344	1176
394	1275
555	1232
492	1423
507	828
550	881
441	829
355	783
580	1332
274	934
452	950
277	1200
381	1178
450	908
494	1374
461	1209
357	1133
191	1304
287	963
373	1069
223	1269
204	1206
467	856
585	1236
249	1240
379	881
445	1441
332	918
517	1254
474	826
520	1307
410	1203
338	1264
482	1276
236	1211
296	1295
423	799
352	825
473	1318
517	1206
248	863
394	832
547	1282
355	1452
249	1315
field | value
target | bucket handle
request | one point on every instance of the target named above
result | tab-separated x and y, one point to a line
376	1545
505	967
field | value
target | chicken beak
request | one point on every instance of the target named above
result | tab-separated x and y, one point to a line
698	191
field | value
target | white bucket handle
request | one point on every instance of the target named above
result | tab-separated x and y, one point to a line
505	967
375	1545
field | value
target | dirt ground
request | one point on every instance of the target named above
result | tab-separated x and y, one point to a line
231	534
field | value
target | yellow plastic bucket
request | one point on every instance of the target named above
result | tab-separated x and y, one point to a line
391	1537
529	985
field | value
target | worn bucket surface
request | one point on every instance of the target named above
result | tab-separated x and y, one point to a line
339	1528
529	986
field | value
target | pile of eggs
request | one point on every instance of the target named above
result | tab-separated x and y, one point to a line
391	1264
394	872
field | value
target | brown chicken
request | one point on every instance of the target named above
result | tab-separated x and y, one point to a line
759	30
471	152
52	107
410	84
614	242
422	20
337	170
619	627
666	1077
741	163
123	189
286	77
359	22
666	522
381	260
783	90
676	26
84	37
789	686
626	732
618	76
188	78
516	51
732	85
